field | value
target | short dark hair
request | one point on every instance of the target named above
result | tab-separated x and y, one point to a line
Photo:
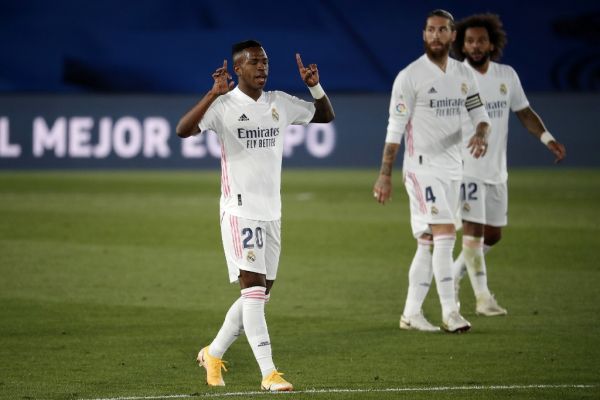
441	13
491	23
236	48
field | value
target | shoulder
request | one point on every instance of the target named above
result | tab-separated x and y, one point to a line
461	68
504	70
279	96
409	72
417	66
286	100
223	100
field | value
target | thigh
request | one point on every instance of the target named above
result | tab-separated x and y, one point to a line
497	205
272	244
473	197
243	243
433	201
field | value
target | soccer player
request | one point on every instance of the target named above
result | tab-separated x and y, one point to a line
479	40
425	107
250	124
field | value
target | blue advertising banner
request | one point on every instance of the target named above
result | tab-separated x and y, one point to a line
93	132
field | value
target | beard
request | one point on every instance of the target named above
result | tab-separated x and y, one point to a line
480	62
437	54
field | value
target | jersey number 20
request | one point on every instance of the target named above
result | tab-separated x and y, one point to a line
249	235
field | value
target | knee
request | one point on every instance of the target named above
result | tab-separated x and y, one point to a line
251	279
492	236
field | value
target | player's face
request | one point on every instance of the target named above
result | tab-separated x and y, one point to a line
438	36
477	46
253	68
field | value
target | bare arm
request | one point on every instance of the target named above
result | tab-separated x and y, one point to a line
323	108
382	191
188	124
534	124
323	111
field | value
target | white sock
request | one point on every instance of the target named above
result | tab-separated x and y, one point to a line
475	261
442	271
419	278
459	269
486	248
229	332
255	326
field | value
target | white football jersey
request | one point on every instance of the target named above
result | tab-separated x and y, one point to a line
426	107
250	133
501	91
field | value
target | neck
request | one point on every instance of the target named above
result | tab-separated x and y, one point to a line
441	61
249	91
481	68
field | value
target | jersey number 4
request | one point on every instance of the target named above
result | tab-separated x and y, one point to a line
429	194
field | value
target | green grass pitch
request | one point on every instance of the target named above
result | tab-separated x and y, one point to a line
110	283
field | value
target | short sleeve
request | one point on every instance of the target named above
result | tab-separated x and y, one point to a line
299	112
518	99
212	118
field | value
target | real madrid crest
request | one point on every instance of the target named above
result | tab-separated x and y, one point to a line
464	89
274	114
466	207
251	257
434	210
503	89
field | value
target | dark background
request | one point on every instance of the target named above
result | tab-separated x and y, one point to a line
172	46
62	60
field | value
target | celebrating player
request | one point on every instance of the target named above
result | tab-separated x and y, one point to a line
427	99
250	124
479	40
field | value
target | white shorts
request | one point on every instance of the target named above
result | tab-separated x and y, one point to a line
432	201
484	203
251	245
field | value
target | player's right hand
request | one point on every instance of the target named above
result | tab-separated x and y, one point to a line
478	145
223	81
382	191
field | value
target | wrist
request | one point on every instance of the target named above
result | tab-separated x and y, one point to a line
213	94
483	133
316	91
546	138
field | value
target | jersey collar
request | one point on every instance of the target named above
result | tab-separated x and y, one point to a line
244	97
434	67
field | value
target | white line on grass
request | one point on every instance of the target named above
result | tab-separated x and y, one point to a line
333	390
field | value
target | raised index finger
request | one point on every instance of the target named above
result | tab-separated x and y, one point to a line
225	64
299	61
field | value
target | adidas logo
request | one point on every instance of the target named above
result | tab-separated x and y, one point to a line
432	90
243	118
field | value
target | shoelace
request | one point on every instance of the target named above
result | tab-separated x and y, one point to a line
276	377
216	366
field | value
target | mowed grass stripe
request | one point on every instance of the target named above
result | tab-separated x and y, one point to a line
110	283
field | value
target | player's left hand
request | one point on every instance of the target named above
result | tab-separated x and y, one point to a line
382	190
558	149
310	74
478	145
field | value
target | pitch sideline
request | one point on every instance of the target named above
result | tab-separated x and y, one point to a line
333	390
